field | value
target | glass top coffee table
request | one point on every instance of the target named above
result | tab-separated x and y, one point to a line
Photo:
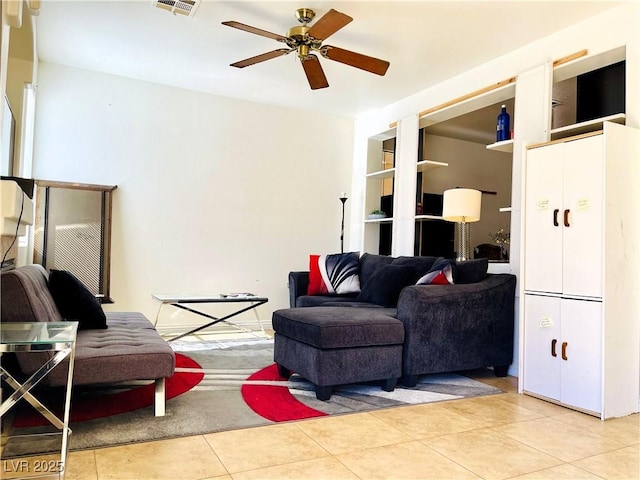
183	301
59	339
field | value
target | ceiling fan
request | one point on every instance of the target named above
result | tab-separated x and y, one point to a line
304	39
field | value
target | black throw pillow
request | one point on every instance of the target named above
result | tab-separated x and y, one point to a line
471	271
75	301
385	284
422	265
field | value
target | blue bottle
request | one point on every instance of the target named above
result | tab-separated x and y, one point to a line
502	129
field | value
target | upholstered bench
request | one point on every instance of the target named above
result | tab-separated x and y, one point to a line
332	346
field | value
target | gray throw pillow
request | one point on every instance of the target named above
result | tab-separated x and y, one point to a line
421	264
385	284
471	271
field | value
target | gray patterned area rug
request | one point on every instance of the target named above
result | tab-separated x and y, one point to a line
230	385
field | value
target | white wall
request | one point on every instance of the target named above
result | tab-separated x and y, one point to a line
213	194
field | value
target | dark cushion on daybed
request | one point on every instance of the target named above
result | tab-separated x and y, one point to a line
75	301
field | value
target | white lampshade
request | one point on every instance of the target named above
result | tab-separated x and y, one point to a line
461	205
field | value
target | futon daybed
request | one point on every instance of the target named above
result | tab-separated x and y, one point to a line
129	348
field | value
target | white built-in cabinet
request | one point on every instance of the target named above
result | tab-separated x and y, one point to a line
580	272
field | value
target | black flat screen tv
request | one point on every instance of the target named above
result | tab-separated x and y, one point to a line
601	92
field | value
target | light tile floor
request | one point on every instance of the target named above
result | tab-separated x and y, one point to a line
497	437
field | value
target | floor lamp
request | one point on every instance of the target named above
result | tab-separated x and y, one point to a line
343	199
462	205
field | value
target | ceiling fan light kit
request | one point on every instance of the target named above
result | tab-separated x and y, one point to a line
304	40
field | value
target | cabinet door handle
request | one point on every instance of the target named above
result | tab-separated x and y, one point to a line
564	351
566	218
555	217
553	347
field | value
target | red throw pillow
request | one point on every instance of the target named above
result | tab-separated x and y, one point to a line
316	285
335	274
439	275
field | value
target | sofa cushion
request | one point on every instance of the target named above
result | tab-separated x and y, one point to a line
341	301
130	349
385	284
75	301
369	263
335	274
442	273
317	300
421	264
471	271
338	327
391	311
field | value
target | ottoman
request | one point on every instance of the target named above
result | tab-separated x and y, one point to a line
332	346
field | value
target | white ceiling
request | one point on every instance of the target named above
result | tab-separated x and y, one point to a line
426	42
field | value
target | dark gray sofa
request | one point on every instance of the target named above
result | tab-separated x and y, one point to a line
464	326
129	349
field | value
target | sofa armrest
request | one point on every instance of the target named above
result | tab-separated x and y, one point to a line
458	327
298	286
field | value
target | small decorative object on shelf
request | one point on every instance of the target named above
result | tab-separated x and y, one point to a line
503	131
502	238
377	215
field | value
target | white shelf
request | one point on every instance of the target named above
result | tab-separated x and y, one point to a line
380	220
390	172
428	217
504	146
425	165
586	127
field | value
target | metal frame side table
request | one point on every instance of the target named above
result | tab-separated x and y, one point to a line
56	337
181	301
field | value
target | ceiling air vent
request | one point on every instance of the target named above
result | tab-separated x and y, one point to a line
182	7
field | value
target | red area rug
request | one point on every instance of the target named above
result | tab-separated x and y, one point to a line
275	402
221	386
90	408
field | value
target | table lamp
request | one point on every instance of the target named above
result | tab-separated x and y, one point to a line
462	205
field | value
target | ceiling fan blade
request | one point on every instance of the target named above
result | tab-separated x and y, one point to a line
254	30
314	72
328	24
261	58
363	62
